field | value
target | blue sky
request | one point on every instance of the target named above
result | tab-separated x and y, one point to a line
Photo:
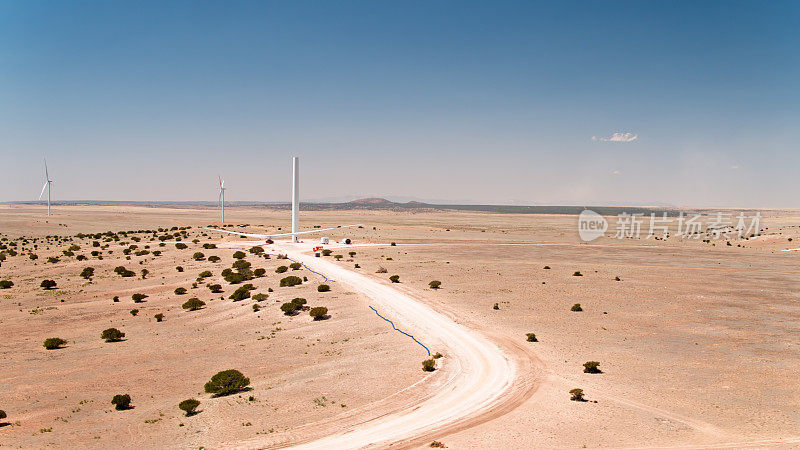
479	102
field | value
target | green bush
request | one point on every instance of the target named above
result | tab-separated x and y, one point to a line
193	304
179	269
591	367
256	308
189	406
281	269
137	298
338	257
214	258
215	288
239	255
429	365
159	317
48	284
394	278
576	395
198	256
256	250
6	284
323	288
393	244
577	274
54	343
496	306
134	312
235	278
260	272
351	254
576	307
112	335
327	252
295	266
121	401
181	246
227	382
205	274
260	297
435	284
3	414
531	337
87	272
241	293
290	281
209	246
289	308
318	313
180	290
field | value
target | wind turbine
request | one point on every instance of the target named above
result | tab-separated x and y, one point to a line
222	197
47	185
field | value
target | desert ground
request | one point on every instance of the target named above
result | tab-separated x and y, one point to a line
698	342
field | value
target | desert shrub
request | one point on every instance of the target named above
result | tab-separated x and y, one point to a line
198	256
227	382
256	308
381	270
531	337
289	308
235	278
6	284
121	401
179	269
338	257
144	273
327	252
393	244
134	312
357	266
54	343
159	317
576	395
215	288
281	269
209	246
180	290
394	278
300	302
351	254
577	274
205	274
33	256
290	281
323	288
189	406
435	284
240	264
137	298
318	313
260	272
214	258
281	256
429	365
617	279
48	284
295	266
256	250
591	367
181	246
116	298
123	272
193	304
112	335
67	253
78	258
242	292
496	306
156	252
3	414
239	255
576	307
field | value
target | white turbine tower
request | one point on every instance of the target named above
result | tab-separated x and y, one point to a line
47	186
222	197
295	197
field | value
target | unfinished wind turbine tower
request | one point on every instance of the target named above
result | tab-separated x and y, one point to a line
295	197
222	198
47	184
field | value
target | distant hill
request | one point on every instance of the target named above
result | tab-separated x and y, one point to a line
372	201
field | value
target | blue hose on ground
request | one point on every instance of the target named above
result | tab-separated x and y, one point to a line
401	331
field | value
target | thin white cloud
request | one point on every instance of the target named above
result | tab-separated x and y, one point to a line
616	172
617	137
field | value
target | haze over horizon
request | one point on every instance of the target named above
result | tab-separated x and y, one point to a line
568	103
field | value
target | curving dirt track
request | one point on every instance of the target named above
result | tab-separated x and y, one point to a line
482	380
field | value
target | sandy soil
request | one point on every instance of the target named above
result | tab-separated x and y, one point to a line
698	342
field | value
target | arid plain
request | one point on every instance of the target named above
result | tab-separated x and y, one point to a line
698	343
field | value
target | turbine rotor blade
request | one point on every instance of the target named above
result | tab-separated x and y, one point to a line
46	173
43	188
